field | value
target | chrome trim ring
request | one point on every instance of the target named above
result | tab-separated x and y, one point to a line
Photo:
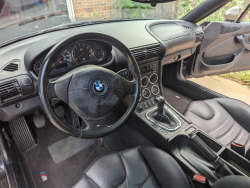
161	125
149	93
150	78
152	89
142	79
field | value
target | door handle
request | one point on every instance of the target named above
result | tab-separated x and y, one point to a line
241	40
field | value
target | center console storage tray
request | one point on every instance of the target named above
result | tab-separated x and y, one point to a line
195	162
236	161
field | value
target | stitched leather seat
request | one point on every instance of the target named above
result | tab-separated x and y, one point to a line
227	120
142	167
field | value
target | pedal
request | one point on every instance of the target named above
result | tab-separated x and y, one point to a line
59	111
21	134
39	120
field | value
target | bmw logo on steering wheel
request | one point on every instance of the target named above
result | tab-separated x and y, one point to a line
98	86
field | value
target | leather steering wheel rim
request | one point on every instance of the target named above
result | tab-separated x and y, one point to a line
46	93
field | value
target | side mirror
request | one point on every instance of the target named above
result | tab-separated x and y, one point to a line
232	14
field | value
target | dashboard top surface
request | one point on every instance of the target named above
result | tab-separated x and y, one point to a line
133	34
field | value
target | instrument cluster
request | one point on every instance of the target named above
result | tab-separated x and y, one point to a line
78	53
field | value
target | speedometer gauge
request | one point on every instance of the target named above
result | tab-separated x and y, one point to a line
82	52
65	58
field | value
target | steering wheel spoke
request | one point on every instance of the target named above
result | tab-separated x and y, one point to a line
95	126
128	86
61	86
51	91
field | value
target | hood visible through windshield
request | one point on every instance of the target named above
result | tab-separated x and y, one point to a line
21	17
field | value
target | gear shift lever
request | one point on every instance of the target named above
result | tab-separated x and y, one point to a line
163	116
160	100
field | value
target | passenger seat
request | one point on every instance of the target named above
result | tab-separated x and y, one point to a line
225	119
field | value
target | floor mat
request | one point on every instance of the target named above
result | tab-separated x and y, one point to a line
62	174
178	101
68	147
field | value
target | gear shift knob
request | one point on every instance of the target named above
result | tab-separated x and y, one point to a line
160	100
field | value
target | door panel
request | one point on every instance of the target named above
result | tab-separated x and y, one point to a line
225	48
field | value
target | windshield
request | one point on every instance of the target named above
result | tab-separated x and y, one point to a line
21	17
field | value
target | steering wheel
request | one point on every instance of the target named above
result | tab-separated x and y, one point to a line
91	91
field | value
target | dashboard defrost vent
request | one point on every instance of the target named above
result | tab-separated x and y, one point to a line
148	52
12	66
188	28
199	37
10	91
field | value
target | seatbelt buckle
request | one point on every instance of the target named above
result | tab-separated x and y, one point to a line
200	181
238	148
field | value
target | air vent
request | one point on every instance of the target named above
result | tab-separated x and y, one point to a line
10	91
149	52
12	66
139	54
187	28
199	37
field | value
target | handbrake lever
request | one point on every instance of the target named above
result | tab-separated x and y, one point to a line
221	169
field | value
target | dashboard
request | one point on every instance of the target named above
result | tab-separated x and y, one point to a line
76	54
154	43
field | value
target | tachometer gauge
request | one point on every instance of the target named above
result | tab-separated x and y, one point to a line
37	66
64	58
99	54
82	53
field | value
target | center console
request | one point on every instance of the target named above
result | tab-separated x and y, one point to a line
160	117
196	151
149	84
196	161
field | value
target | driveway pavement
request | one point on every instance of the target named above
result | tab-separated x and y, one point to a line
225	87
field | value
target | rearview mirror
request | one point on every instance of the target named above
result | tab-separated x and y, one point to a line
153	2
232	14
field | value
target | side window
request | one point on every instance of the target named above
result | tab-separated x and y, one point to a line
230	12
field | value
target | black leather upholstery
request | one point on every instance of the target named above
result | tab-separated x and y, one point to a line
232	182
142	167
227	120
